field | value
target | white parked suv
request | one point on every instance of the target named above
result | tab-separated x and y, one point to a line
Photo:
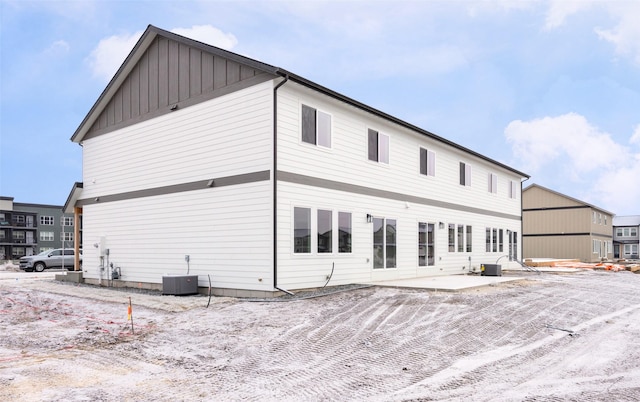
56	258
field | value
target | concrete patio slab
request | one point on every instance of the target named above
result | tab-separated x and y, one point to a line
448	282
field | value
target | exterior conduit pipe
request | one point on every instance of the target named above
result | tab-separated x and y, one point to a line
275	184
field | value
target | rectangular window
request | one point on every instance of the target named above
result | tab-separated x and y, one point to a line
46	236
465	174
384	243
391	243
452	238
495	240
426	244
18	235
18	252
325	230
594	217
493	183
66	236
469	240
512	189
626	232
316	127
46	220
18	218
302	230
488	240
631	250
427	162
501	240
633	232
596	246
599	219
378	147
605	219
460	238
66	220
344	232
619	232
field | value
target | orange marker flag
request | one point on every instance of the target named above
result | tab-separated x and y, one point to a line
129	313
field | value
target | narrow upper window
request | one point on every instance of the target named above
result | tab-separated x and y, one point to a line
378	147
316	127
493	183
465	174
427	162
512	189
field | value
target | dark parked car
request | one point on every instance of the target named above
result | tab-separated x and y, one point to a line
56	258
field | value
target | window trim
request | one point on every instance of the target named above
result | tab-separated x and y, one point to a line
385	244
493	183
319	116
465	174
378	149
313	246
427	162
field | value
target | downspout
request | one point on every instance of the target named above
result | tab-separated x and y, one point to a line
275	184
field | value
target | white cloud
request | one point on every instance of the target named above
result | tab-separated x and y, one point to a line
618	188
568	138
570	147
108	56
626	35
110	53
635	138
58	47
209	35
559	10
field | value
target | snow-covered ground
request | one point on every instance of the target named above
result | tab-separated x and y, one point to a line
550	337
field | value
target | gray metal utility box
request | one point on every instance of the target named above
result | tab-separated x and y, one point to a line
491	269
180	285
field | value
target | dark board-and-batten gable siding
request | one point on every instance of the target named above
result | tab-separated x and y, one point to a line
170	73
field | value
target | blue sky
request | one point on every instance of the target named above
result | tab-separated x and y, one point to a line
551	88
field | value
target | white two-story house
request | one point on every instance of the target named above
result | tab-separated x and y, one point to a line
268	181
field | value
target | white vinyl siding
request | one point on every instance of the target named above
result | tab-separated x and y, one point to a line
349	153
226	232
222	137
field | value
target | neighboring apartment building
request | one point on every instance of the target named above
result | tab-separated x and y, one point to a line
626	237
27	229
199	160
558	226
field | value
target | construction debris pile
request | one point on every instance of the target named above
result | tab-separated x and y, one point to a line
576	264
